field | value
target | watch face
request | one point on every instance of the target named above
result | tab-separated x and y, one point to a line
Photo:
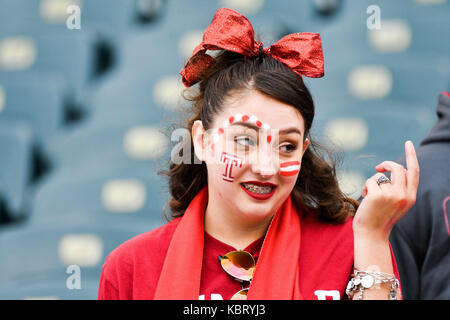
367	281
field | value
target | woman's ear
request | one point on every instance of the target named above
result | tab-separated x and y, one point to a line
198	138
305	145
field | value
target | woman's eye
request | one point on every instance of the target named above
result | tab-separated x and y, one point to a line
244	141
288	148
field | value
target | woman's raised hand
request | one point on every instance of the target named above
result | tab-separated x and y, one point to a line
384	204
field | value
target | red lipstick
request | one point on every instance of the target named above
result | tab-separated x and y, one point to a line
259	196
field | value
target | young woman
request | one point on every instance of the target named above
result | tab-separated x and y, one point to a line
262	216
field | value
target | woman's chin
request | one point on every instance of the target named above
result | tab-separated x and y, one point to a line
254	210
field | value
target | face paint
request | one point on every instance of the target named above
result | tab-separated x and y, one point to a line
241	118
289	168
230	160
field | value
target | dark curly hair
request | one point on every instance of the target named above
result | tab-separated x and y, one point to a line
316	190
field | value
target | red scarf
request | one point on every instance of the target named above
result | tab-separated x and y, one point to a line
276	274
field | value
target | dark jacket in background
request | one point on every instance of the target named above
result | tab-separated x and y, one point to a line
421	239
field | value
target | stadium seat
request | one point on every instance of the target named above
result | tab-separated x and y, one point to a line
410	9
200	13
362	76
127	139
268	29
51	289
151	96
146	78
366	133
306	16
39	103
35	260
121	14
102	15
73	53
108	194
16	146
373	131
420	36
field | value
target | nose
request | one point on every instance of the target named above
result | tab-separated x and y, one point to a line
264	170
265	164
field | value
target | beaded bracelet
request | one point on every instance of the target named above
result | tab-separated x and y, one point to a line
367	279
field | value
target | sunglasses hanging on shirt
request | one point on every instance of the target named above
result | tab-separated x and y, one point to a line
241	266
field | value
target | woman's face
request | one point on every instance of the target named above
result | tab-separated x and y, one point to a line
253	154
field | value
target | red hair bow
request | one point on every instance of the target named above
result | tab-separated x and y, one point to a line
231	31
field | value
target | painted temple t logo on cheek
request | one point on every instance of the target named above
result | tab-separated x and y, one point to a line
230	160
289	168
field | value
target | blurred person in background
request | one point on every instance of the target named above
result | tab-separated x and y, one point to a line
421	240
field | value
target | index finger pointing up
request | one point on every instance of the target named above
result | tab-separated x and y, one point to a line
412	167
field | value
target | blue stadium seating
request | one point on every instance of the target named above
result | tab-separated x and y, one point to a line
99	194
381	130
367	134
408	9
73	53
144	59
268	29
118	138
51	289
308	15
16	144
35	259
423	35
391	77
118	15
39	103
106	16
125	96
201	13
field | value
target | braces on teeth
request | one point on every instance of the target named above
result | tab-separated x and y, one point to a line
257	189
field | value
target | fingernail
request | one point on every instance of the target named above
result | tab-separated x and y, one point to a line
410	146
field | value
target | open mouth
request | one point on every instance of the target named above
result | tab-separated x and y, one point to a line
258	190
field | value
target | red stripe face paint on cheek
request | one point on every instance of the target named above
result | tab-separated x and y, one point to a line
230	161
289	168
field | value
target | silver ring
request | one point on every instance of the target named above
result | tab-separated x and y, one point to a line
383	179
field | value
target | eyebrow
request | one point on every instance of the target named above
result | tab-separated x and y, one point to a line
256	128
